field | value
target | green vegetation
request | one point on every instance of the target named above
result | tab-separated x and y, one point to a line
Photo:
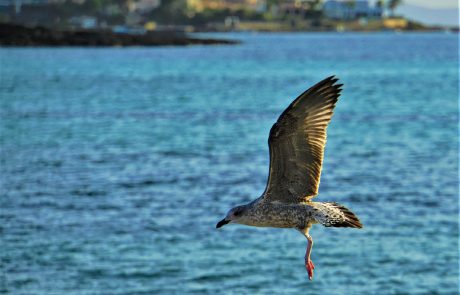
277	15
176	12
393	4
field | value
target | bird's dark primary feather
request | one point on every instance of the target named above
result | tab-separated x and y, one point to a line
297	142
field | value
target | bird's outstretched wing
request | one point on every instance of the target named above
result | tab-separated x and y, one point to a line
297	142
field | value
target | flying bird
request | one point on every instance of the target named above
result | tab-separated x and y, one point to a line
296	145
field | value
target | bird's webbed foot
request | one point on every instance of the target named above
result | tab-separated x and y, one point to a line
310	267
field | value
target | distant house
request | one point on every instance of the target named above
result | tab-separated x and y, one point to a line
143	6
395	23
200	5
231	22
84	21
343	10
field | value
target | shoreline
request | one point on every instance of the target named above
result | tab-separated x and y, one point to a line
383	25
13	35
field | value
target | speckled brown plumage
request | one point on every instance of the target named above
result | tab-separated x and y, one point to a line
296	144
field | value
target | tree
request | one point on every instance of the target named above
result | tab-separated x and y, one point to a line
393	4
350	3
171	12
314	4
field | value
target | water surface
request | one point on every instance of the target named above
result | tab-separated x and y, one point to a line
116	164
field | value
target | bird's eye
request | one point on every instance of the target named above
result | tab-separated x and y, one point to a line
237	213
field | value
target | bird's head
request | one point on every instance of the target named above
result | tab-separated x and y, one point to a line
235	215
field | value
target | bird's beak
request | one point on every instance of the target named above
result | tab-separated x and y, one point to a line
222	223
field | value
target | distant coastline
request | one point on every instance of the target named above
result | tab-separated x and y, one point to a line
327	25
170	23
12	35
18	35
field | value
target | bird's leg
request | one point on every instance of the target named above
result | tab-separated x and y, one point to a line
308	263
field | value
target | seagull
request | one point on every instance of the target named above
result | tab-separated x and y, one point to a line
296	144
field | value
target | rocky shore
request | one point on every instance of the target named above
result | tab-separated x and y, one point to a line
17	35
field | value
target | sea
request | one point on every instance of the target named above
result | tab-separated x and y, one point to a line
117	163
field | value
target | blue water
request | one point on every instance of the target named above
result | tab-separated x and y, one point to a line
116	164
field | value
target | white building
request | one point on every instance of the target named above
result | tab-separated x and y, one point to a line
352	10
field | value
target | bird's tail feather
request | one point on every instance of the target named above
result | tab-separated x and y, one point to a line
336	215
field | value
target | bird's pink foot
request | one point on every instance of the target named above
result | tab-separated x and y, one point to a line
310	267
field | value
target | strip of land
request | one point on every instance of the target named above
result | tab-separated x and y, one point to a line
17	35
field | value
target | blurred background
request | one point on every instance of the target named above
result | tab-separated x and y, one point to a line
116	161
140	16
